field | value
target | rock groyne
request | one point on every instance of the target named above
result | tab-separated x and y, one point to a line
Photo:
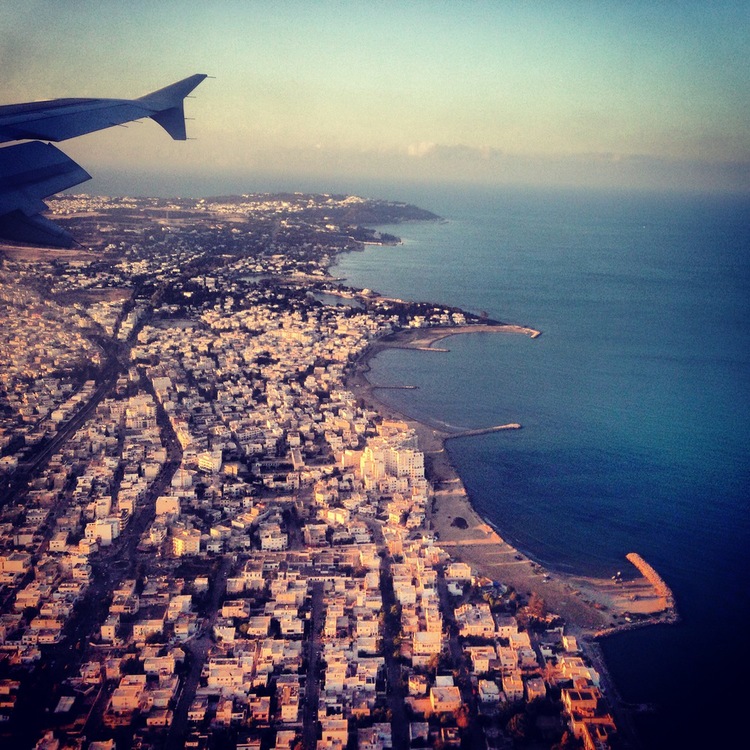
652	577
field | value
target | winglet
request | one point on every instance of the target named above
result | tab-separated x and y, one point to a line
167	104
173	121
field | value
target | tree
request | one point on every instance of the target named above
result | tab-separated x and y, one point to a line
537	606
491	598
567	742
462	716
519	727
434	663
30	613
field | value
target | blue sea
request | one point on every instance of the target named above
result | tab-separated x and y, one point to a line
635	406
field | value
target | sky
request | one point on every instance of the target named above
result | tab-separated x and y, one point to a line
326	94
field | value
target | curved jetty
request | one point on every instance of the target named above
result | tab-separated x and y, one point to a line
423	339
646	601
652	577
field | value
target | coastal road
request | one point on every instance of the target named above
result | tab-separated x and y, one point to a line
15	486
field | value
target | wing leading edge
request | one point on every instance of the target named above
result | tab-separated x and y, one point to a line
30	172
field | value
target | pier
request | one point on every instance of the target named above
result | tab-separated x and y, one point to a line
642	608
652	577
483	430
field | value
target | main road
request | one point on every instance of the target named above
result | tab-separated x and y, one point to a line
312	682
391	629
197	649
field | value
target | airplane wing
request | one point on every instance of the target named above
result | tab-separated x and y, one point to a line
32	171
28	173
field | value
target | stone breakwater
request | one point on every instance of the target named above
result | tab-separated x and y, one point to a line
483	430
666	614
423	339
653	577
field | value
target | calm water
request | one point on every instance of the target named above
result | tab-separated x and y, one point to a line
635	404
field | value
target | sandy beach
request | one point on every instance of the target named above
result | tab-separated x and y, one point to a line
589	606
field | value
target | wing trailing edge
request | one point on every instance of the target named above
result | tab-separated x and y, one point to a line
32	171
59	119
169	105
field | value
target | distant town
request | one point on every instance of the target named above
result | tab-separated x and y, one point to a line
207	538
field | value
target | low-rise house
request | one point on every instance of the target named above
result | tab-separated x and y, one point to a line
377	737
475	620
513	686
258	625
224	630
445	699
488	691
159	664
535	688
150	623
288	701
582	702
574	668
426	644
483	658
236	608
108	629
198	709
505	626
507	657
334	732
458	571
259	709
127	695
597	735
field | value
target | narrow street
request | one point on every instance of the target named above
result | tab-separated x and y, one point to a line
460	664
312	683
197	649
394	686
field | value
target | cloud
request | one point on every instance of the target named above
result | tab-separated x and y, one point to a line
453	152
420	149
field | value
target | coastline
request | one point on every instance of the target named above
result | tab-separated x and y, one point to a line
591	607
640	482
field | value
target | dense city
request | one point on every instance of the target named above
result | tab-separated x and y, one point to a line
207	540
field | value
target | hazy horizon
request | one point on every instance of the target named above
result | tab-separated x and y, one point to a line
619	95
157	185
